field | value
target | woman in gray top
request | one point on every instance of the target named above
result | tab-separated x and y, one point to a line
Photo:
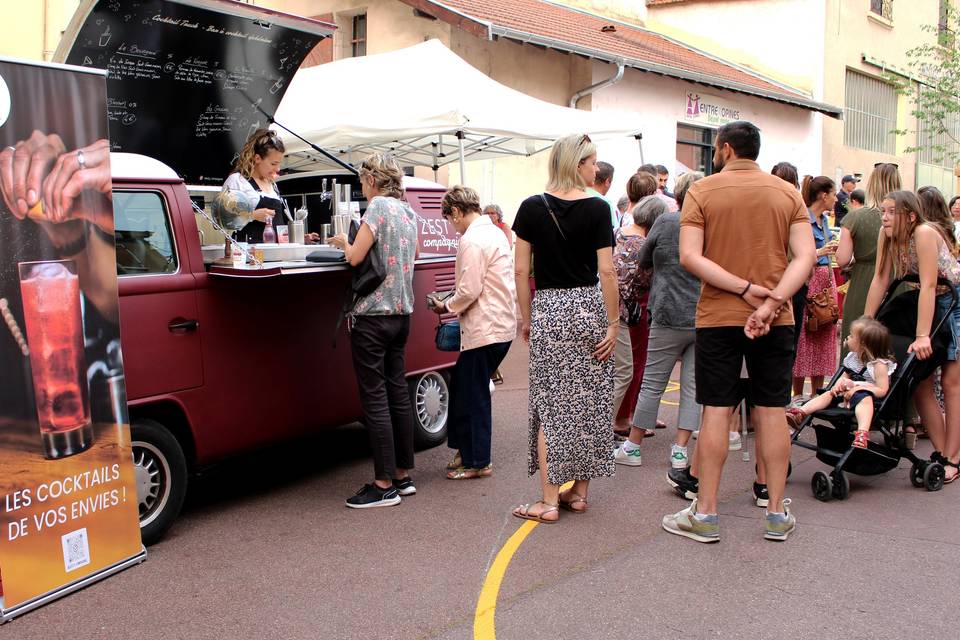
673	304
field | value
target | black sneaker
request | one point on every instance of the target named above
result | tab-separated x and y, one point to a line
405	486
684	484
370	495
760	494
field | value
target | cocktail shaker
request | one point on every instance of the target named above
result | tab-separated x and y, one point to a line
296	232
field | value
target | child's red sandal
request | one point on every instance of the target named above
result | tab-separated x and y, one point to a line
860	440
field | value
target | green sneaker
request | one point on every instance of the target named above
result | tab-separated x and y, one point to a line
780	525
685	523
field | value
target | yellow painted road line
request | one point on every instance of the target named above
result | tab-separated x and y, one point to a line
484	627
672	387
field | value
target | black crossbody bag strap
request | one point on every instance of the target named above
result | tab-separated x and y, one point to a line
554	216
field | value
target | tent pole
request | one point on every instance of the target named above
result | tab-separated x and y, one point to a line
463	179
433	148
639	138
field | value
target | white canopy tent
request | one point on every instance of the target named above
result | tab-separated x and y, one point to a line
433	109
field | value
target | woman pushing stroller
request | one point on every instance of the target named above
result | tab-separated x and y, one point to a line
912	245
864	382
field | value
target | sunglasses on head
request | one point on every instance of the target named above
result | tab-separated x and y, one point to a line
585	139
877	165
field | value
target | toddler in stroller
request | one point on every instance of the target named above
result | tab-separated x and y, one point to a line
837	428
864	380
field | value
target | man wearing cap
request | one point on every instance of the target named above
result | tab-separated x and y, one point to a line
848	184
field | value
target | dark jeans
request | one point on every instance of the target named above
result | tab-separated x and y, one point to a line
471	421
377	344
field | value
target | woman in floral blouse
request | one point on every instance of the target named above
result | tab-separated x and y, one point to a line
380	326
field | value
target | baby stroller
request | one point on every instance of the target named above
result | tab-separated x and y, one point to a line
835	426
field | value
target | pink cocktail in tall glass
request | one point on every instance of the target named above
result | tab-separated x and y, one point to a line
51	310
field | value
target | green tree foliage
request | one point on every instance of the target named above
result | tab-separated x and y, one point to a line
932	81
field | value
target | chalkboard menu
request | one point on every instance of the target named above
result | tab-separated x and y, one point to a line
188	83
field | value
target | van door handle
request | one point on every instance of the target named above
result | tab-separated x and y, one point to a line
181	324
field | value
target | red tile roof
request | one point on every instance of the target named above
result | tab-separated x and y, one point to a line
567	29
656	3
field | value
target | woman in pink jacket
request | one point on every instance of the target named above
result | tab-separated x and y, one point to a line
485	301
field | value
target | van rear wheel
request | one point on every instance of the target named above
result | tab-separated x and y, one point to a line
430	400
160	470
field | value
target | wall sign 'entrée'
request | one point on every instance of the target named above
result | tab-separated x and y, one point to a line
711	110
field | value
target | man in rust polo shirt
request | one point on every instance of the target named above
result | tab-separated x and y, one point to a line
736	230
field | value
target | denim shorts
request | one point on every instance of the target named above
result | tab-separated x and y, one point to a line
943	306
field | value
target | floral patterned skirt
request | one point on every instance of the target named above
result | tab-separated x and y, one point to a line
817	352
571	392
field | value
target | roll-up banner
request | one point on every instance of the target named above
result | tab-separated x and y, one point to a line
68	500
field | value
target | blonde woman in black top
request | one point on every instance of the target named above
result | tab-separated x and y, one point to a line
571	326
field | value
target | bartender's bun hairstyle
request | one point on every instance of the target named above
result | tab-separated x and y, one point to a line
463	198
260	143
386	173
566	156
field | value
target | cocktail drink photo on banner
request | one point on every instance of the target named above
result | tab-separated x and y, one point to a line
69	512
51	310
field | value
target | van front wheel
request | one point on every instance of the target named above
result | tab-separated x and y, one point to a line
430	400
160	469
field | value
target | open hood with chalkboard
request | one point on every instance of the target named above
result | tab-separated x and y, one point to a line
189	80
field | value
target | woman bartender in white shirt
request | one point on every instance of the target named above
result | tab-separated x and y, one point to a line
254	174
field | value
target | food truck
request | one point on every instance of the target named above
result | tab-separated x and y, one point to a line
221	359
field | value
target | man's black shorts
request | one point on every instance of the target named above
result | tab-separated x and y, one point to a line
720	353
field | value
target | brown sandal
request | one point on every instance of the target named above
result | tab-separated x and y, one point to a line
466	473
567	505
523	512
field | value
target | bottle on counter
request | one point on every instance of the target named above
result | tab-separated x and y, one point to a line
269	233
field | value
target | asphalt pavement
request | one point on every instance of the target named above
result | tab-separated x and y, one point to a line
266	549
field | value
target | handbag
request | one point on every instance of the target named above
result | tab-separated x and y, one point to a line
821	311
370	273
448	333
448	336
367	276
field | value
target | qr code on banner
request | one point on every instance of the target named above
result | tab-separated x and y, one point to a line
76	549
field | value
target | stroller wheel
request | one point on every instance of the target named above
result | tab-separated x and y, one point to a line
822	486
841	486
916	474
933	477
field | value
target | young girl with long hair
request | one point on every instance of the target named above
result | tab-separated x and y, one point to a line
910	245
